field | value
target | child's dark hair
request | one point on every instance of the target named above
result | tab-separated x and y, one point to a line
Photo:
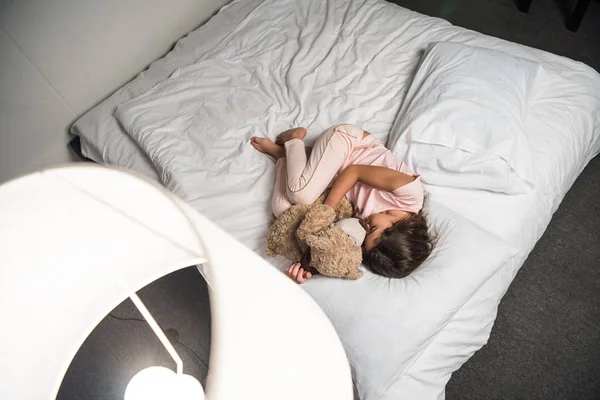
401	249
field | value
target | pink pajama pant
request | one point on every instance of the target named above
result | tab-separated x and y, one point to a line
301	180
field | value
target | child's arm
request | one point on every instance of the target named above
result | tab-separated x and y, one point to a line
377	177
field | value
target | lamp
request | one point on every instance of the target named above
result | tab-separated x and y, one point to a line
57	284
162	383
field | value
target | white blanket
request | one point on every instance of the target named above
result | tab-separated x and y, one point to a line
195	127
289	63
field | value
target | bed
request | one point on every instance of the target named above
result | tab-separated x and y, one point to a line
259	67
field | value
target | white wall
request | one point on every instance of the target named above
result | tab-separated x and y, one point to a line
58	58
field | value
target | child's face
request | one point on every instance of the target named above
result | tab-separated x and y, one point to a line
375	225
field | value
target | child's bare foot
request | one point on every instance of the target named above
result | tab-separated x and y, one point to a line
265	146
295	133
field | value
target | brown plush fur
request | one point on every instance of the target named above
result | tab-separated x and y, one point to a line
281	237
310	227
318	217
332	253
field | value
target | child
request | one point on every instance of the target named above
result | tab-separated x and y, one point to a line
387	199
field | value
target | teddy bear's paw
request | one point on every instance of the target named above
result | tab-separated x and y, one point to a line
354	274
318	218
344	210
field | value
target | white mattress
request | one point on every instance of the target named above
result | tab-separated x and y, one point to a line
354	61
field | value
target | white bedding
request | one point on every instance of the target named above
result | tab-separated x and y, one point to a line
461	123
260	67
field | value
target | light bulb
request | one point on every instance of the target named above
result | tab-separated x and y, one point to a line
160	383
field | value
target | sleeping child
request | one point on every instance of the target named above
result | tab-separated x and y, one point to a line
387	199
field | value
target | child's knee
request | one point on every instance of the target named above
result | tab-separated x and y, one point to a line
349	130
302	197
279	205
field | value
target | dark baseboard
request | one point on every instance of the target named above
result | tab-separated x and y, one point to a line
75	146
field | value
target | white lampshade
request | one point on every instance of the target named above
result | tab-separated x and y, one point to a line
76	241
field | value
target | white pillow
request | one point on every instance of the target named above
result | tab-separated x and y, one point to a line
462	121
385	323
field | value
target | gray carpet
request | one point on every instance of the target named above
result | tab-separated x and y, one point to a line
546	341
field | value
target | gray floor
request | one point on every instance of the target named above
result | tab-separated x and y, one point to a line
546	341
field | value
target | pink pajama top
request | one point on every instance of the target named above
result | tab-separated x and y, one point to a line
367	200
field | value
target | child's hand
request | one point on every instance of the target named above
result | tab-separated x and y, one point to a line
297	273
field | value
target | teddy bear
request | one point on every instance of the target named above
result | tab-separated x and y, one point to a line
324	240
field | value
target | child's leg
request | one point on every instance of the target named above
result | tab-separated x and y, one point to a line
307	179
280	202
